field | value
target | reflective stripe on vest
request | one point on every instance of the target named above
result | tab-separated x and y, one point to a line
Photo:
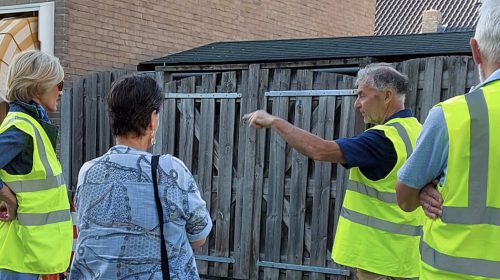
477	213
380	224
404	136
358	187
38	219
389	197
468	266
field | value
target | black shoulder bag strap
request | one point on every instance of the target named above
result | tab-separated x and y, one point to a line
163	249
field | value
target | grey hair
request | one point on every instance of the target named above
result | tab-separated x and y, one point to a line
488	30
382	77
32	73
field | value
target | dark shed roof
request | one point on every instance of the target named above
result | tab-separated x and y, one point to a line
407	46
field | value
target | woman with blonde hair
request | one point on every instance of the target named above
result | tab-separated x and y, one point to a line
35	222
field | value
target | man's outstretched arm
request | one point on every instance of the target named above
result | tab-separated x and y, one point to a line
303	141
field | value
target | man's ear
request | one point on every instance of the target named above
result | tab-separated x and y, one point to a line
388	96
476	52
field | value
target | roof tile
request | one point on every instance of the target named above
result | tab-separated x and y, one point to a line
405	16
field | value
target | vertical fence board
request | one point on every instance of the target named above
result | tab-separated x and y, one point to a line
187	123
263	81
457	70
103	127
158	147
66	137
410	68
472	77
238	271
241	267
322	178
299	179
226	143
91	116
274	217
77	125
432	85
206	143
169	120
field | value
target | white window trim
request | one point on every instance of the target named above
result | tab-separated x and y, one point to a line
46	13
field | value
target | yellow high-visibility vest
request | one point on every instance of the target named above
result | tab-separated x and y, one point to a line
39	240
465	242
373	233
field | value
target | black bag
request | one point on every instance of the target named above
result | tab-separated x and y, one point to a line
163	248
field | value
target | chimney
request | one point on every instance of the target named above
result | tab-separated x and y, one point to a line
431	21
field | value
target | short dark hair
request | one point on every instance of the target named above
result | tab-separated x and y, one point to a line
131	100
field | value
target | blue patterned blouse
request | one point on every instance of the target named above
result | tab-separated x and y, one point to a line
118	229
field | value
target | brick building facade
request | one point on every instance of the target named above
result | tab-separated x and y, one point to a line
95	35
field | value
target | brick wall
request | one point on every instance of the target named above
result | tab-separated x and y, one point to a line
119	34
94	35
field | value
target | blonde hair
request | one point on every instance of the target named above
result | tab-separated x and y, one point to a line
32	73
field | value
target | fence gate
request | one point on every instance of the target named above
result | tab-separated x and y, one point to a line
273	209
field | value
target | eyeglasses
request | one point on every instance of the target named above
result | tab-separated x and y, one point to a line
60	86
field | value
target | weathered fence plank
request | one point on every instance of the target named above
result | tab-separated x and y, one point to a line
158	147
77	132
260	158
411	68
90	99
66	137
276	175
432	85
457	70
225	164
241	267
103	128
322	178
169	120
186	127
205	155
299	179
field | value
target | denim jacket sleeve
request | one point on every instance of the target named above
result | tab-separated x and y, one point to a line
12	143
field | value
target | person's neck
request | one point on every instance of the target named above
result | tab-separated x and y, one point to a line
489	68
138	143
391	110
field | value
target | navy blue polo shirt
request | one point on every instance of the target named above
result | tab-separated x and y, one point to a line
371	151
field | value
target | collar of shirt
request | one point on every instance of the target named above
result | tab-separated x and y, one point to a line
405	113
493	77
123	149
31	108
42	114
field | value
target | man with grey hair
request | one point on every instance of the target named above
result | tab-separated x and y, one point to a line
459	146
373	234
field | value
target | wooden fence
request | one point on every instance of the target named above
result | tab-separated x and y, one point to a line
274	211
